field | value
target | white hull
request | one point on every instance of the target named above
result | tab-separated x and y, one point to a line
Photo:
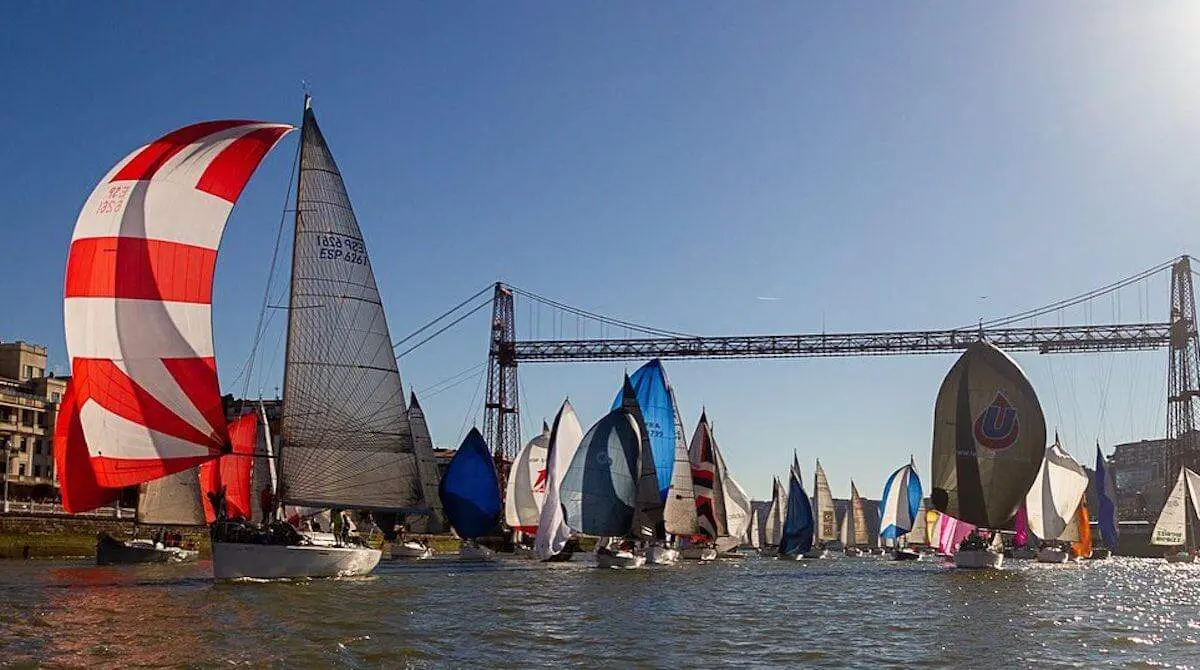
852	551
1052	555
731	556
658	555
698	554
1181	557
621	560
978	559
265	561
815	553
475	553
411	551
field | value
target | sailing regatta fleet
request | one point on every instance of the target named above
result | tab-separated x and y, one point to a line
144	408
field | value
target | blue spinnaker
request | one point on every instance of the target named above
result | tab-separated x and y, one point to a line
470	490
898	507
658	413
1106	492
798	524
599	489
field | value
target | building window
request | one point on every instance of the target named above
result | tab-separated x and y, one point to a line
55	397
37	471
21	470
37	446
28	371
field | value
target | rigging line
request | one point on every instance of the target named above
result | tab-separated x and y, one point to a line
248	366
443	329
452	377
444	315
1069	302
650	330
434	394
462	431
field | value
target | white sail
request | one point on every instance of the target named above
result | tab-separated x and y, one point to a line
346	435
526	488
826	516
918	534
1057	489
754	529
173	500
1171	528
1071	532
773	524
563	442
737	514
845	533
435	522
860	533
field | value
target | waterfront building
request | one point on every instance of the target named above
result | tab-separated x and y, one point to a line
1141	475
29	399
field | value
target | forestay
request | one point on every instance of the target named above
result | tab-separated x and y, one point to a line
138	301
346	435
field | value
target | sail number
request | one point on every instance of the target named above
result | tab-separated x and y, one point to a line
113	199
342	249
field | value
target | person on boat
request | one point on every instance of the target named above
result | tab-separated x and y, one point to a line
217	500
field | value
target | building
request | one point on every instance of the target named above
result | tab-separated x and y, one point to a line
1140	477
29	401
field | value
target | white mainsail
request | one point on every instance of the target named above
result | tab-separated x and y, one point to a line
737	514
773	524
1056	492
563	442
526	490
1171	528
679	512
826	515
346	437
174	500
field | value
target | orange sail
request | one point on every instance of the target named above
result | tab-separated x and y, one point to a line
232	471
1083	546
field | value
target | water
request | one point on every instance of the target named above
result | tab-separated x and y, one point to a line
838	613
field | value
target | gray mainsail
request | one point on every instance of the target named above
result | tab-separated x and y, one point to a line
346	440
679	514
648	510
427	466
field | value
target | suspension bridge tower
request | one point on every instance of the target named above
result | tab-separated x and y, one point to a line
1183	375
502	421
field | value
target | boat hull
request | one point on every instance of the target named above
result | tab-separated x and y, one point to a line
410	551
111	551
1052	555
816	553
1181	557
1099	555
906	555
475	553
233	560
852	551
1022	554
521	551
698	554
620	561
978	559
731	555
659	555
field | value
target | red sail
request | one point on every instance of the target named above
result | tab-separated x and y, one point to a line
232	470
76	480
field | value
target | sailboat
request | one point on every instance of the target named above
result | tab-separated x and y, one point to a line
825	528
797	537
470	494
1173	528
655	402
989	436
433	521
855	533
753	538
526	492
1021	549
772	526
900	503
1106	492
604	489
709	481
137	315
1052	501
553	534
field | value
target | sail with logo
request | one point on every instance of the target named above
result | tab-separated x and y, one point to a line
526	489
989	437
826	516
1173	526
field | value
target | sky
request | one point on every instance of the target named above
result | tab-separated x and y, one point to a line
868	166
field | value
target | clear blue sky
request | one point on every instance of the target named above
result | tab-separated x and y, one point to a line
872	165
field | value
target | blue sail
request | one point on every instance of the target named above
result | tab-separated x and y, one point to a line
599	489
1107	494
658	413
470	490
898	507
798	524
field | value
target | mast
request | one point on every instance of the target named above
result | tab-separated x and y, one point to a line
287	342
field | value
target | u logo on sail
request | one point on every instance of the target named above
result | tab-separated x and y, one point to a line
997	427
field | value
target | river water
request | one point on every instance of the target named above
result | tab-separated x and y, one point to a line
861	612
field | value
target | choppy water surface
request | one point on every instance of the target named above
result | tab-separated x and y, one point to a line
843	612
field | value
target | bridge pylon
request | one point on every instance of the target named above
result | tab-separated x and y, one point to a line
502	422
1183	375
